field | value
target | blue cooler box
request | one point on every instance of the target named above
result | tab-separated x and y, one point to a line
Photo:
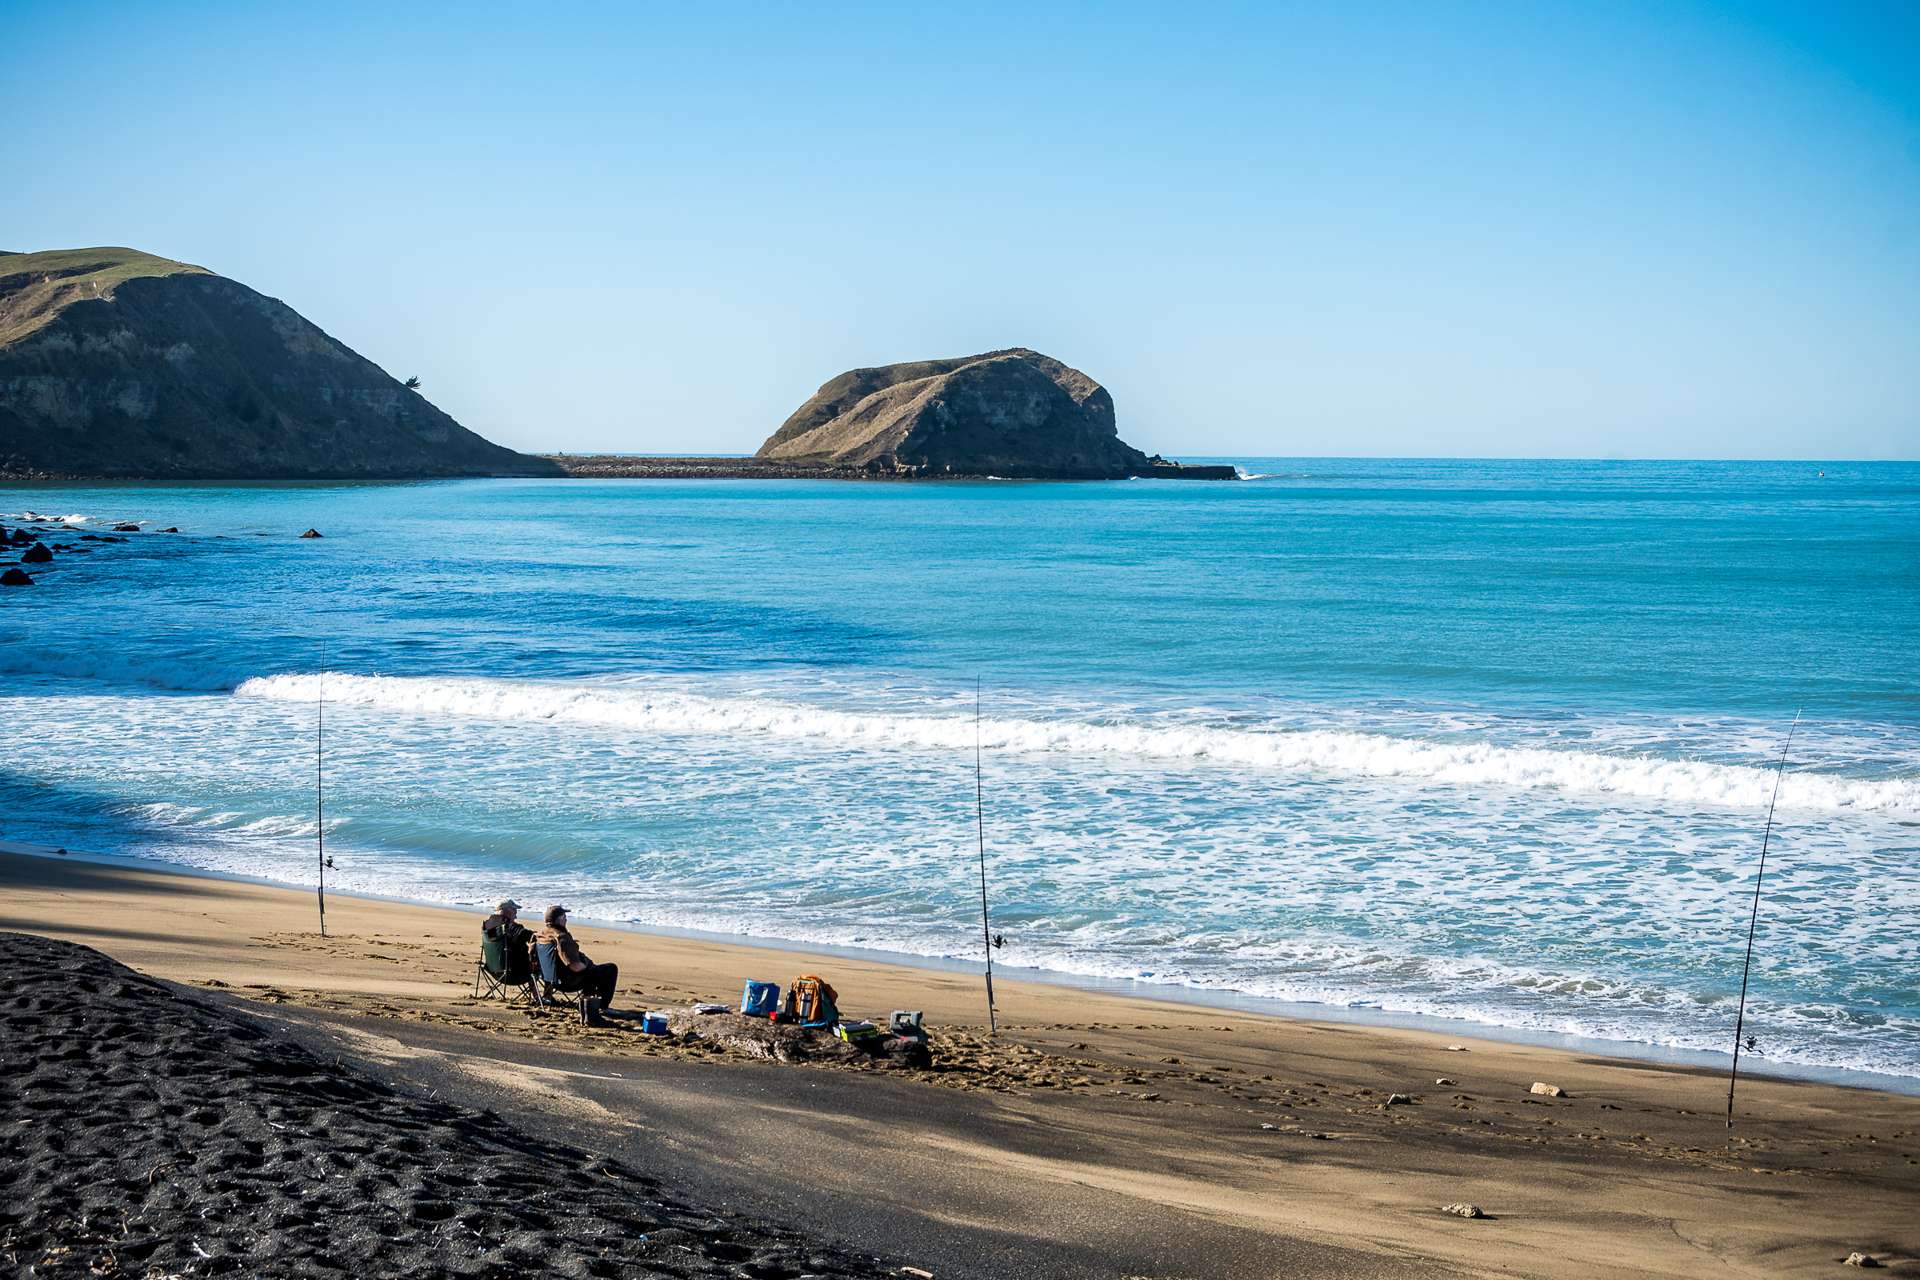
760	999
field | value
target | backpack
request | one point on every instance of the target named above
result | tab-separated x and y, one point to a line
810	1001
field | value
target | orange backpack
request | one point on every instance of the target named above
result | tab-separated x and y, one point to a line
810	1000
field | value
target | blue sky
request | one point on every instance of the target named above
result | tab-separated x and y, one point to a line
1461	229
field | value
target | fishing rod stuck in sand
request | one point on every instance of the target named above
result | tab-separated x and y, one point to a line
987	939
1753	918
319	792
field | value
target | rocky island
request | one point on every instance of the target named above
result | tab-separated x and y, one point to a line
1014	414
117	363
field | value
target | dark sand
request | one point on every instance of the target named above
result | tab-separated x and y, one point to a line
154	1132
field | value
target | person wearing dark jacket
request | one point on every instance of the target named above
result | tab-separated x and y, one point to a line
577	970
514	938
505	920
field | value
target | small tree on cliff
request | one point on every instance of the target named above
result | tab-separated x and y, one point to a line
413	383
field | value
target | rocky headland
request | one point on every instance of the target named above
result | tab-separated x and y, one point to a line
1014	413
119	364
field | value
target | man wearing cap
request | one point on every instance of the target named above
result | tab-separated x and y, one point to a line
577	971
505	921
505	925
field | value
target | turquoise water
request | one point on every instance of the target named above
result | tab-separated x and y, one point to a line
1475	740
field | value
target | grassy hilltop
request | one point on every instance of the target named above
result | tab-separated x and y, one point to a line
58	278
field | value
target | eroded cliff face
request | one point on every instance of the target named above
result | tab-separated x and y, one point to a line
110	366
1012	413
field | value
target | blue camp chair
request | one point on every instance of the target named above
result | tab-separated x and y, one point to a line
547	957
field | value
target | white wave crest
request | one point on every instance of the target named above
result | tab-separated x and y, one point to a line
35	517
1325	752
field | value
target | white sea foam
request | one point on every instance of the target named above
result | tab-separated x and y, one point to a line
36	517
1323	752
1368	978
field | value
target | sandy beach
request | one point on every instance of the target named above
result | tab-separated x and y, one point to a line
1098	1135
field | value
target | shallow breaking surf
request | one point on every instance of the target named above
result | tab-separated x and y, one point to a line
1323	752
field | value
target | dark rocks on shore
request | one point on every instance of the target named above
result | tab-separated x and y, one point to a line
313	533
169	529
16	578
155	1131
1160	468
36	550
126	527
622	466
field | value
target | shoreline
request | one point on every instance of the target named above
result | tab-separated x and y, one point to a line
1096	1135
1219	1000
623	466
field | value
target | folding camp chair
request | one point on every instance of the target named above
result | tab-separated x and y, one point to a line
548	970
503	970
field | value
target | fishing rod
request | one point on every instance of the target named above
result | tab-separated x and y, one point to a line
980	828
319	793
1753	919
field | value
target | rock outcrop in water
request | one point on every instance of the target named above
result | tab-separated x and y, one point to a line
1013	413
118	363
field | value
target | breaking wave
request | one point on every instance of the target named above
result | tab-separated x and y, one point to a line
36	517
1321	752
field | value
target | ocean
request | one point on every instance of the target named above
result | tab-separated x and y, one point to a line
1484	745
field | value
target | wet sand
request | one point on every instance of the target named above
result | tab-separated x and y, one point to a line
1096	1135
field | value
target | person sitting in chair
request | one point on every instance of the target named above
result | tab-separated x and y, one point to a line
577	971
505	921
504	946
